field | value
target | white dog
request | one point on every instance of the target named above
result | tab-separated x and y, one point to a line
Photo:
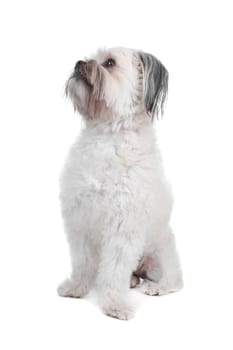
116	202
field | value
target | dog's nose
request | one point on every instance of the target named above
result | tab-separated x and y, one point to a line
78	65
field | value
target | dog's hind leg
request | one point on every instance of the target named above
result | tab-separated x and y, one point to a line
165	276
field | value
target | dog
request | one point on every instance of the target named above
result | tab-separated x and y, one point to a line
116	202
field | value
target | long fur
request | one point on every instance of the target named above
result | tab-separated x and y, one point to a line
116	202
156	84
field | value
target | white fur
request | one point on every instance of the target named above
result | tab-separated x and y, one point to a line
116	202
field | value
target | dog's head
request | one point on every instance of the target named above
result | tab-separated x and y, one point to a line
117	83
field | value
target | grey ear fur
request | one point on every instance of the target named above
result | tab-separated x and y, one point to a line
155	84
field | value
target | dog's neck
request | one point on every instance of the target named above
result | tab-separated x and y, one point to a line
116	124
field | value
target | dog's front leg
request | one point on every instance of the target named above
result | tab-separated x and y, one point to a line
83	263
118	259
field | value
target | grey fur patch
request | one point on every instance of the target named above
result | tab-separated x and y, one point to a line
155	84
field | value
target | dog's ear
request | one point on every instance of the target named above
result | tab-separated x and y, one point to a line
155	84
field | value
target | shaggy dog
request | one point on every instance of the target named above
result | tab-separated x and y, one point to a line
116	201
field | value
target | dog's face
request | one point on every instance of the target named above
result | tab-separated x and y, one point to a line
117	83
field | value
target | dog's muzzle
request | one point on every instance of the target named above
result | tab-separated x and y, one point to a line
80	72
78	67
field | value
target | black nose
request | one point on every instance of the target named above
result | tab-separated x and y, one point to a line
78	65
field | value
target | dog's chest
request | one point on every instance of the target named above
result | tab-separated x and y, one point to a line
106	167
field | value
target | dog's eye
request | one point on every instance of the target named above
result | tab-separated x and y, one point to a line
110	62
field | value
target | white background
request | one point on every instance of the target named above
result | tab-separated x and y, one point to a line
40	43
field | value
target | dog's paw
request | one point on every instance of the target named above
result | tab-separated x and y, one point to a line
73	289
115	310
134	281
152	288
115	305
